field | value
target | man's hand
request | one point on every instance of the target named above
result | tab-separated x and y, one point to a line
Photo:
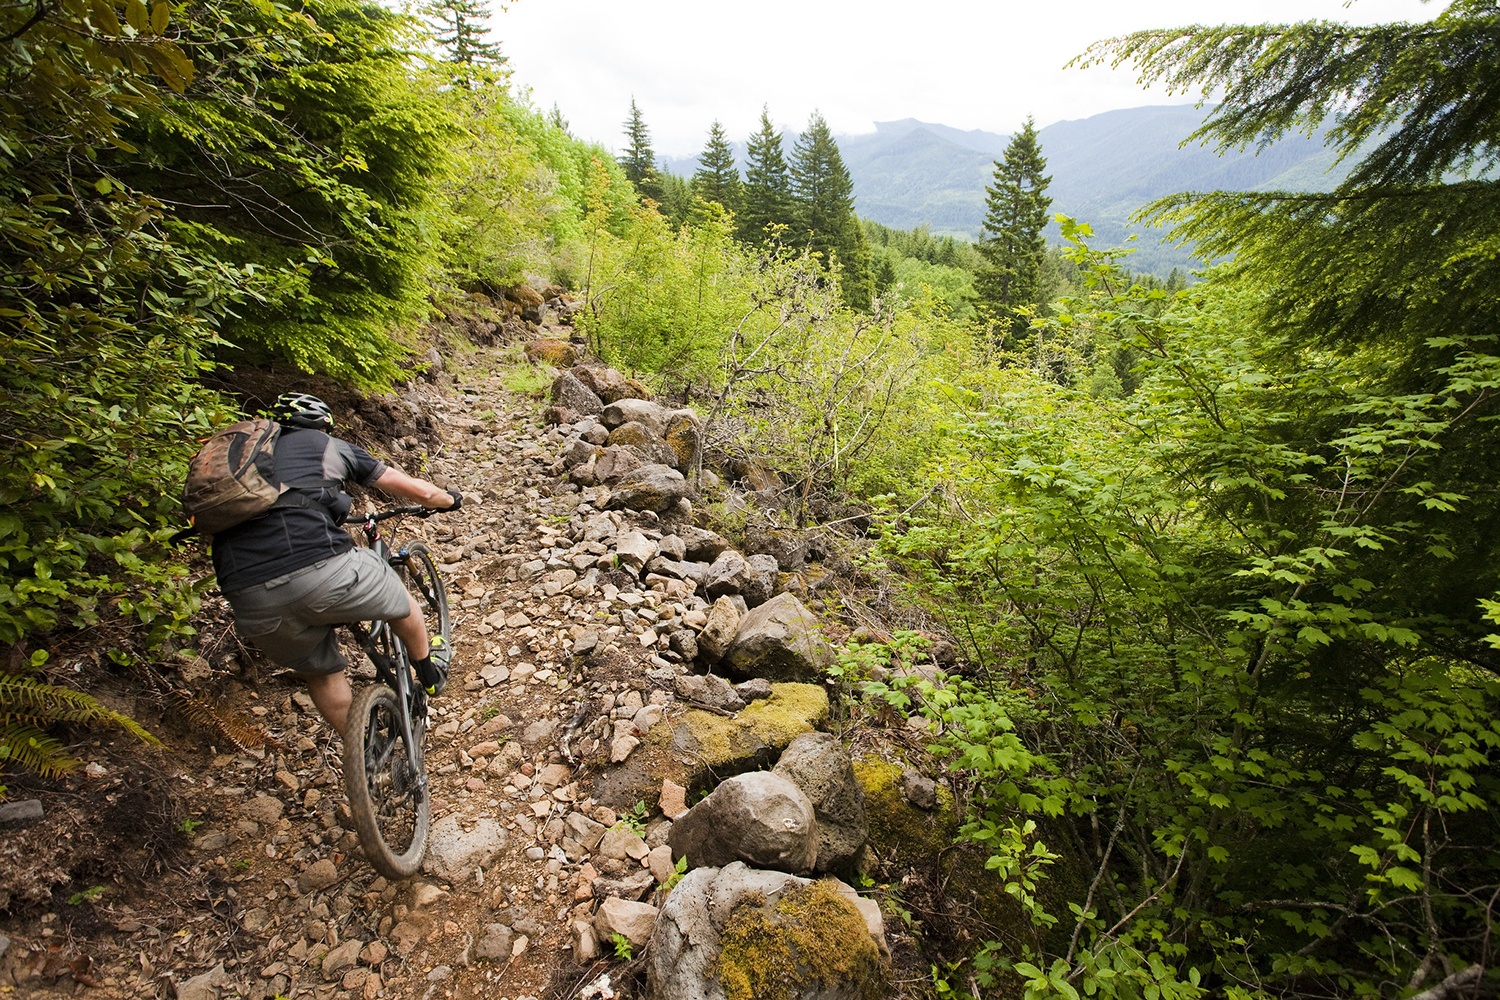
458	499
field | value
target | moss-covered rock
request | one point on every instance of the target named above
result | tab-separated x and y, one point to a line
811	942
756	734
557	353
898	828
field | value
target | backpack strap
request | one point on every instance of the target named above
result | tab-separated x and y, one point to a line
294	495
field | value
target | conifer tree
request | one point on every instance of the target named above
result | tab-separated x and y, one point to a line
639	159
1011	240
767	193
717	178
676	198
461	30
823	194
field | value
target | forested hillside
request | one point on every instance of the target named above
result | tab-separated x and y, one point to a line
1219	564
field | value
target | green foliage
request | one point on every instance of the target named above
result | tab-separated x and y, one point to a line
108	324
461	34
1209	658
1404	248
624	950
515	191
635	819
87	895
307	157
639	159
679	870
823	201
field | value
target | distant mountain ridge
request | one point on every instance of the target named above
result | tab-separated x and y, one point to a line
911	173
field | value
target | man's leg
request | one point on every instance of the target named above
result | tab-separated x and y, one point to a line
331	694
412	630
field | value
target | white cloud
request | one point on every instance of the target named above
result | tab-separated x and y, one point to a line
968	64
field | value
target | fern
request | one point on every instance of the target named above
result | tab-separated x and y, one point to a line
33	750
241	734
29	707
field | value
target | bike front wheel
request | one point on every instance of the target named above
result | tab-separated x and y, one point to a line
389	801
419	574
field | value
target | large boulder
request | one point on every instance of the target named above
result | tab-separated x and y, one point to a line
455	854
527	301
754	474
728	574
779	641
735	931
640	437
613	464
717	636
656	488
819	764
761	573
570	393
557	353
789	546
683	434
700	544
629	410
760	818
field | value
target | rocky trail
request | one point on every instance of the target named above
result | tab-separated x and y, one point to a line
574	730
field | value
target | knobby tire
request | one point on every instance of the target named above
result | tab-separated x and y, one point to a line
391	815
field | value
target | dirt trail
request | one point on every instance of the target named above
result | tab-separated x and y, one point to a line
261	890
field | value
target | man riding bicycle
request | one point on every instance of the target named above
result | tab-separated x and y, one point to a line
292	574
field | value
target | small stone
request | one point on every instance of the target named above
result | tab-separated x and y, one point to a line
424	894
263	809
496	943
659	863
673	800
25	811
288	780
319	875
440	973
341	959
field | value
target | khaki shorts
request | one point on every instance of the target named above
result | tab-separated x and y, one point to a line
292	617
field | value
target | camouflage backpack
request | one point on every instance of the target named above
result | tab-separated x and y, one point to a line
232	477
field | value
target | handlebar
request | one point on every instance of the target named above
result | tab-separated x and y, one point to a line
415	510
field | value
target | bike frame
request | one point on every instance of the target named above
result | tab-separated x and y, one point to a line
395	671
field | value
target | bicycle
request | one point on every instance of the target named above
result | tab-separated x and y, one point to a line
385	773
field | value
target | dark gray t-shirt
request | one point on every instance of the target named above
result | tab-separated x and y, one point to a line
287	538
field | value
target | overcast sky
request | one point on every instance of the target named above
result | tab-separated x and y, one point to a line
971	64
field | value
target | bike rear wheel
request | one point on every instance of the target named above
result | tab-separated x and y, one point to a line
389	802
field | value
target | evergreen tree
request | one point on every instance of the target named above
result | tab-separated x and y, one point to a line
676	198
823	194
639	159
1011	241
766	197
717	178
461	30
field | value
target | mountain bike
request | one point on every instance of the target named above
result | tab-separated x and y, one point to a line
385	772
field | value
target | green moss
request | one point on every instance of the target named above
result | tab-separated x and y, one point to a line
812	937
792	709
898	828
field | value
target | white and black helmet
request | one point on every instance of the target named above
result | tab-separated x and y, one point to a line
298	409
